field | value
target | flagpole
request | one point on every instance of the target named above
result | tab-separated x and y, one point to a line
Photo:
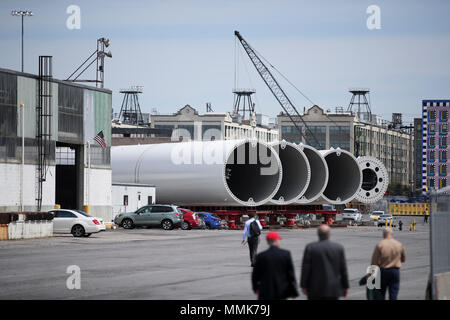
89	172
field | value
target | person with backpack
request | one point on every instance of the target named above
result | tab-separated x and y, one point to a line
252	231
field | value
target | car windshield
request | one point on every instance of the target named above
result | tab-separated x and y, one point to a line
83	213
349	211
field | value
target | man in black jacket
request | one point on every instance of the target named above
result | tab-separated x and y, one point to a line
324	270
273	276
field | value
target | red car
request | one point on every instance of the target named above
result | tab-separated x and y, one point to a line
190	219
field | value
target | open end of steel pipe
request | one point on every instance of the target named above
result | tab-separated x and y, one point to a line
252	173
374	179
296	173
345	176
319	174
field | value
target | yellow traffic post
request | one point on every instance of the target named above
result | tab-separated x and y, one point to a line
410	227
87	209
390	223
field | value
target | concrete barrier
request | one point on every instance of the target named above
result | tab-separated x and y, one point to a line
30	229
442	281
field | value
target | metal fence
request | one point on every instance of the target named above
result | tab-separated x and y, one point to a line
440	243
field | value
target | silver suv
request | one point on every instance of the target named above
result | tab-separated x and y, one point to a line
157	215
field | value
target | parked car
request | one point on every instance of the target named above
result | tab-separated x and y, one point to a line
102	224
351	214
212	221
224	225
163	215
202	222
190	219
76	222
385	217
376	215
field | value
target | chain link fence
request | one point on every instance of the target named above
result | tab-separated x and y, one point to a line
440	244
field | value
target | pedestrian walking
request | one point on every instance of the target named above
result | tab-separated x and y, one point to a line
400	225
389	255
252	230
273	277
324	270
425	217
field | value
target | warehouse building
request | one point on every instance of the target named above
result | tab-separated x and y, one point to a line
362	138
435	123
187	122
56	122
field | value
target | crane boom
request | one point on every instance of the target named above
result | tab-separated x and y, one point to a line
276	89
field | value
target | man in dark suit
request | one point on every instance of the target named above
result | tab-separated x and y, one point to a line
324	270
273	276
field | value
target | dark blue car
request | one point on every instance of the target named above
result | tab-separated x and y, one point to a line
212	221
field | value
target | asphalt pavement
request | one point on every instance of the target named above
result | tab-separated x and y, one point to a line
193	264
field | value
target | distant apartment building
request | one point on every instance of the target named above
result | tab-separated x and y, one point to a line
344	130
187	122
418	128
434	144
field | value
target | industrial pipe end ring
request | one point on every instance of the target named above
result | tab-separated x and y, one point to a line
345	176
296	173
375	180
319	174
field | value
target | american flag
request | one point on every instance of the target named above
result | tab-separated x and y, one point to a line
100	138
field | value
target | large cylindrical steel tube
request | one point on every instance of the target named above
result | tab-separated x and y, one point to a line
375	179
344	176
319	174
228	173
296	173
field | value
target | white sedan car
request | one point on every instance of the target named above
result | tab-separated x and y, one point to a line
76	222
351	214
102	224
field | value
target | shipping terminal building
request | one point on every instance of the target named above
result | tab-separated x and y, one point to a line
60	119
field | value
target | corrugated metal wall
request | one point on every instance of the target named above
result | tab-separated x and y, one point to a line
70	114
8	116
89	116
78	114
103	111
26	93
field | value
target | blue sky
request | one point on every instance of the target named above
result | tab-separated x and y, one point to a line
183	52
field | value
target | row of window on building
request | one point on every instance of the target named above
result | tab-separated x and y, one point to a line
316	136
443	115
431	183
442	142
443	129
431	155
431	170
214	132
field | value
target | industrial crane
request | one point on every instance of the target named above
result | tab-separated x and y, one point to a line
276	89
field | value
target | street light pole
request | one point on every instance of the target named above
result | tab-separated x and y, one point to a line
22	43
21	14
